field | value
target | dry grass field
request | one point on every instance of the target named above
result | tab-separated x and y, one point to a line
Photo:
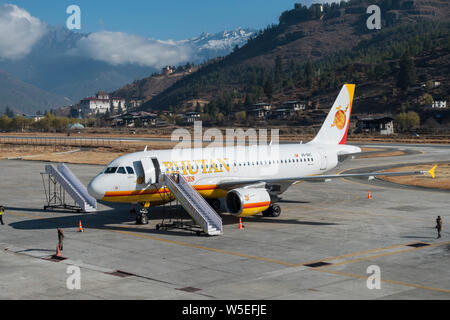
442	180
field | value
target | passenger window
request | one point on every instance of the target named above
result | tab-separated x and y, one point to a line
130	170
121	170
111	170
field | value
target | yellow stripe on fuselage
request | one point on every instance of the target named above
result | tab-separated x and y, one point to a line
160	196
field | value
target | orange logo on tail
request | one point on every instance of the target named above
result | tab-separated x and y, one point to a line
340	118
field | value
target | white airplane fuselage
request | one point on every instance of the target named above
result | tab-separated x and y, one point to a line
250	177
206	168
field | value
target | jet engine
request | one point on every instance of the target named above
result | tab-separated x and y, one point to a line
245	202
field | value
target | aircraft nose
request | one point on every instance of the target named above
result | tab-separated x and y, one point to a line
95	189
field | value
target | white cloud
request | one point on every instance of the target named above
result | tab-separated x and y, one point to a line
121	48
19	31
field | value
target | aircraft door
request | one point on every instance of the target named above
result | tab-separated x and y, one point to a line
149	171
157	169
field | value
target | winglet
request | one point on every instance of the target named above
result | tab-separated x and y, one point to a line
432	172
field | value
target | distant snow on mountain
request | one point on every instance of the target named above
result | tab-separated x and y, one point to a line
74	65
208	45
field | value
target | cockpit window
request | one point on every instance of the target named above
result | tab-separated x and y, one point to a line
130	170
111	170
121	170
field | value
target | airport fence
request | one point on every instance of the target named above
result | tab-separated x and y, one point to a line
55	142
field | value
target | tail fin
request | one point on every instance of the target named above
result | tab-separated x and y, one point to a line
335	128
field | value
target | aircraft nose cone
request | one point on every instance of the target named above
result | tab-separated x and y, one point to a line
95	189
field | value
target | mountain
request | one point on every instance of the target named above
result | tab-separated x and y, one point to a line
26	98
208	46
205	47
311	52
52	68
58	67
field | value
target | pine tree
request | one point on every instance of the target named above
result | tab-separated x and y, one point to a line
309	74
407	74
268	89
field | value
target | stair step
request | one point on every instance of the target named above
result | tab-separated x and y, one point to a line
72	186
195	205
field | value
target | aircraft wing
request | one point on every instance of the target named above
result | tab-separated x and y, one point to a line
227	185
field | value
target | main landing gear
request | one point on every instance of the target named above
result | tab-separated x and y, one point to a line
274	211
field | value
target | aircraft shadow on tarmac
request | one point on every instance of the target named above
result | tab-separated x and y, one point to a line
119	214
293	201
35	210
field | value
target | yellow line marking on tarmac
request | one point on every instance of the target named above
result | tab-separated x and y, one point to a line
365	213
14	213
401	283
320	269
390	253
185	244
359	253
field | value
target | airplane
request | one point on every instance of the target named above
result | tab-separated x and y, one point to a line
250	179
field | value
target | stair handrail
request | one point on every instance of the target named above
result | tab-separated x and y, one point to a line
78	186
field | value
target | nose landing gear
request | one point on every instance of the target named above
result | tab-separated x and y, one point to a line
141	217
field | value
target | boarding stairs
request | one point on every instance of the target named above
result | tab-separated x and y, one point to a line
70	183
195	205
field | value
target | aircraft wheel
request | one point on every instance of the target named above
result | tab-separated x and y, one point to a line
268	212
276	211
144	219
141	219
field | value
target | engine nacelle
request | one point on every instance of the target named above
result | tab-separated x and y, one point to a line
247	202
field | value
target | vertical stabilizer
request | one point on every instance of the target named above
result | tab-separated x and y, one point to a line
335	128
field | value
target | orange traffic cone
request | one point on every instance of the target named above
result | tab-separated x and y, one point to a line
58	253
240	224
369	195
80	228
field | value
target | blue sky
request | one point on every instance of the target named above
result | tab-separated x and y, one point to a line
161	19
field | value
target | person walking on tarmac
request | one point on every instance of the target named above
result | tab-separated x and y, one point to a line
60	239
439	226
2	211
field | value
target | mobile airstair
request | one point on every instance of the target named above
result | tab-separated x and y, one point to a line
61	180
195	205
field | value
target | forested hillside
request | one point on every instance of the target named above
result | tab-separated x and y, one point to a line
310	54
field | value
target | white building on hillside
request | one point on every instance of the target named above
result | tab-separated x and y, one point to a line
101	103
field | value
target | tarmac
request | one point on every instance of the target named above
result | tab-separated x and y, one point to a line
321	247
